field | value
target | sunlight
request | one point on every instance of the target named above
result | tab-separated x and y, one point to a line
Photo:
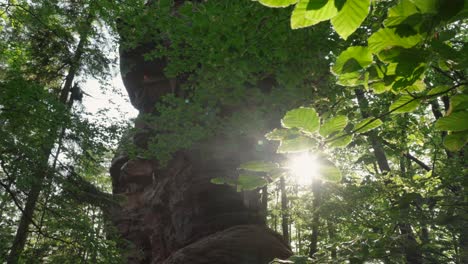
304	167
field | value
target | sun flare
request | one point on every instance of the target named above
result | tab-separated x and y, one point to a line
304	167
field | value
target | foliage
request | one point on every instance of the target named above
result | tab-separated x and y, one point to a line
46	140
415	53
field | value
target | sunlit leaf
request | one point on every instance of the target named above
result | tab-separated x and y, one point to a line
350	17
458	102
399	13
335	124
251	182
387	37
456	140
217	180
259	166
426	6
367	125
280	134
379	87
457	121
298	144
340	141
352	59
329	171
277	3
310	12
404	104
304	118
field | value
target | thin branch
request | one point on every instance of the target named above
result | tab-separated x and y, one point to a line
408	155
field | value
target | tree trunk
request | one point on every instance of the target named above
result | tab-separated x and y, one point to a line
26	219
410	245
41	173
284	211
317	193
265	202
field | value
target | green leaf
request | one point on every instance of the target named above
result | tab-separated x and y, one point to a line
456	140
458	102
304	118
217	180
277	3
298	144
280	134
399	13
457	121
439	90
259	166
353	79
379	87
340	141
426	6
335	124
350	17
367	125
251	182
329	171
386	38
404	104
352	59
310	12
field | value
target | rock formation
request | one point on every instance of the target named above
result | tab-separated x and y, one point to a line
175	214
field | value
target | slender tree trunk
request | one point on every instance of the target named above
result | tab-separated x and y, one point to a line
410	245
26	218
275	216
33	195
284	211
331	236
265	202
317	193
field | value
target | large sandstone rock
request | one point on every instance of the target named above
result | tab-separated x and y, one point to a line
175	214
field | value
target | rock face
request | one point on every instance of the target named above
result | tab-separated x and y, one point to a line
175	214
180	217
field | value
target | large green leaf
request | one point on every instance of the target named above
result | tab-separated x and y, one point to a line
406	103
350	17
457	121
399	13
335	124
352	59
353	79
220	180
367	125
259	166
304	118
329	171
439	90
251	182
387	37
456	140
281	133
310	12
277	3
298	144
459	102
340	141
426	6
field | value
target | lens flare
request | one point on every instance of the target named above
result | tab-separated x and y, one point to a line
304	167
